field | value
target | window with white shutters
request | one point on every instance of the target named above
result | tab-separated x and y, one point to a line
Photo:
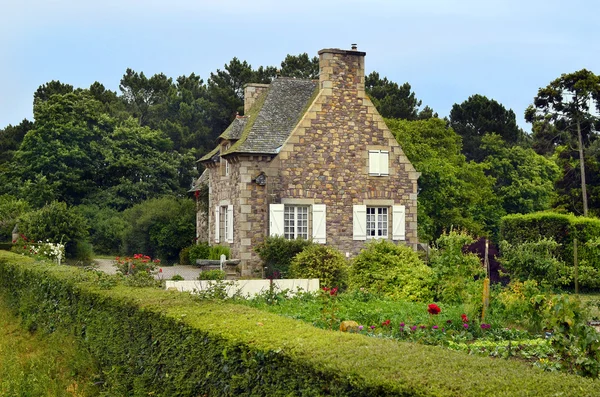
379	163
371	222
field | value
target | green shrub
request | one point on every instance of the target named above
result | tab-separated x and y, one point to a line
277	252
184	256
535	261
57	223
199	251
177	277
458	275
10	210
83	252
322	262
160	227
215	274
562	228
106	227
216	251
392	270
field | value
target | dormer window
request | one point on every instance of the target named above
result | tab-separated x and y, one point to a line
224	163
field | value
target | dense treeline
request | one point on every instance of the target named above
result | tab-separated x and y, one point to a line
103	152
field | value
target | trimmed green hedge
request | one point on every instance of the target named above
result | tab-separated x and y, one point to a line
164	343
563	228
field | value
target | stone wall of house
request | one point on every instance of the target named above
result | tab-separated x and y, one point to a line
325	159
250	208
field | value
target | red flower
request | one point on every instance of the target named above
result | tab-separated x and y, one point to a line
433	309
464	318
386	323
333	291
160	270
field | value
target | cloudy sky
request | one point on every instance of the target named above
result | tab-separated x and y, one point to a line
446	49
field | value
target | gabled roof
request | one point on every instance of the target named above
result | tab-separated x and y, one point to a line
272	118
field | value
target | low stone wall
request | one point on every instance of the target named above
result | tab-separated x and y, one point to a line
248	288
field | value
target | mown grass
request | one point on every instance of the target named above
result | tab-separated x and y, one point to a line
38	365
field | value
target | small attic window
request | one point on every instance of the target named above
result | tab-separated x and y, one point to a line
224	163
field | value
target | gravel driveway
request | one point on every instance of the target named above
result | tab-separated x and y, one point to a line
187	272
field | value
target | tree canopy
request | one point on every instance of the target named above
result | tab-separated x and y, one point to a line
478	116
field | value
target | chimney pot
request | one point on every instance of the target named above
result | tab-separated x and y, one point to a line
354	47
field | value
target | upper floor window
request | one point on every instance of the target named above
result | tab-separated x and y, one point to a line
225	168
379	162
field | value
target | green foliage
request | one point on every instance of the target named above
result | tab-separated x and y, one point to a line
140	335
391	270
216	251
393	100
159	227
55	222
589	264
38	364
478	116
322	262
10	210
106	228
198	251
575	341
184	256
458	276
562	228
524	179
522	304
454	193
277	252
177	277
535	261
215	274
565	118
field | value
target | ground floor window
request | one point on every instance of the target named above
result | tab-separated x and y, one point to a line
295	222
377	222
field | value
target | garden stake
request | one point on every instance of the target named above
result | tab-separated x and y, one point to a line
576	270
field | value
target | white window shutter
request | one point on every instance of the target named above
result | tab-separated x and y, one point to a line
359	222
399	222
276	219
373	162
384	166
319	219
230	223
216	224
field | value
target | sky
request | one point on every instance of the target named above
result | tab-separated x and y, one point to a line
447	50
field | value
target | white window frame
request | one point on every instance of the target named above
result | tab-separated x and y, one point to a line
227	162
296	221
379	162
377	222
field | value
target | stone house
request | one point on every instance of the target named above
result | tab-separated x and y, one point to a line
309	159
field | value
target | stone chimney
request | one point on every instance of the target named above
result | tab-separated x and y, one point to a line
251	92
342	69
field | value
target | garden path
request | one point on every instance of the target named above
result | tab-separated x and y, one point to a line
187	272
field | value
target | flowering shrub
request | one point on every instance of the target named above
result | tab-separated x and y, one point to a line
329	308
139	269
39	250
433	309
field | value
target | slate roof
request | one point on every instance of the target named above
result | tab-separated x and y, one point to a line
235	129
272	118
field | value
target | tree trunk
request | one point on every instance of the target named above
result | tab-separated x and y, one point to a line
582	168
